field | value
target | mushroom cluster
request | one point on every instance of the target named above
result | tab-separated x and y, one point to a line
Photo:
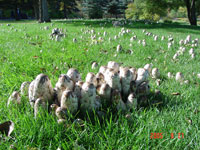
57	34
114	86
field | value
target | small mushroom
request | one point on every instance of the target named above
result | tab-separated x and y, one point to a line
24	88
119	48
155	73
179	76
131	102
14	98
91	77
74	74
69	101
94	65
113	65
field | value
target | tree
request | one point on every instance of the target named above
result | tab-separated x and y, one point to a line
191	11
131	12
43	11
147	9
92	8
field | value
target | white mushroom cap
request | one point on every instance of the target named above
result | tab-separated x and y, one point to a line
198	75
77	89
30	93
191	51
14	98
61	113
155	73
131	102
113	80
179	76
74	74
104	91
69	101
91	77
43	88
142	72
119	48
64	82
148	67
24	88
40	106
103	69
94	65
88	89
126	76
113	65
134	72
169	74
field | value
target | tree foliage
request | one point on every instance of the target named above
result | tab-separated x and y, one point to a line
153	10
147	9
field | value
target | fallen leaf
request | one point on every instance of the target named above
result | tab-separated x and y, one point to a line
7	127
35	56
176	93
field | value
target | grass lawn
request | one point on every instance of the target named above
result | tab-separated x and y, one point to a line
26	51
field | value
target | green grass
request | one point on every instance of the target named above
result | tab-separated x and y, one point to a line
18	64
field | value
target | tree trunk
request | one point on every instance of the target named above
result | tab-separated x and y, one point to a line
43	11
36	10
40	12
64	10
16	13
191	12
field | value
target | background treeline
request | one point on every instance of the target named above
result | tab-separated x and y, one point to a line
152	10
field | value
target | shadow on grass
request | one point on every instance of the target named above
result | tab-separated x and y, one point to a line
176	27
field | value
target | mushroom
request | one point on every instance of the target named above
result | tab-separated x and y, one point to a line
88	97
131	102
179	76
148	67
113	80
91	77
24	88
42	89
126	76
117	101
134	72
113	65
198	75
40	106
169	74
143	89
155	73
102	69
94	65
61	113
53	108
77	89
74	74
64	83
104	91
142	75
100	78
119	48
14	98
74	40
30	93
69	101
